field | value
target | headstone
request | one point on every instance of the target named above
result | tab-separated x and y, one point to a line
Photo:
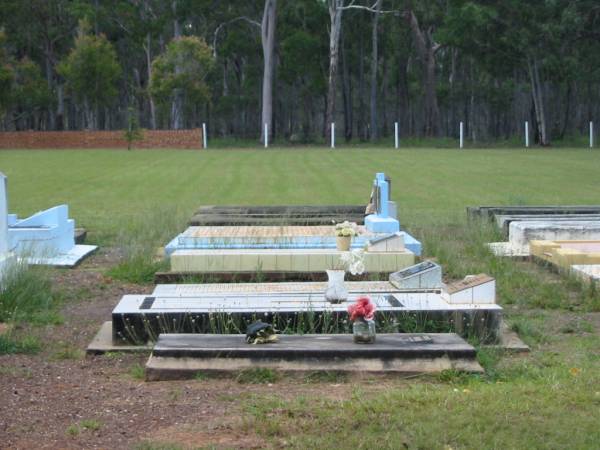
382	221
425	275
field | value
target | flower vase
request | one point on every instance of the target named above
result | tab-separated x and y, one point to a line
336	290
343	243
363	331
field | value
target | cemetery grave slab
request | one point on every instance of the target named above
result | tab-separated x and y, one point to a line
488	212
281	260
564	254
272	237
587	272
521	233
504	221
277	215
183	355
293	308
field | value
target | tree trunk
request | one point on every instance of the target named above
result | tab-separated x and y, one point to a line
177	103
538	100
374	61
347	91
267	34
148	50
335	16
427	49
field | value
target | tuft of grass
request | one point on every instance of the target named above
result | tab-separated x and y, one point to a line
149	445
138	269
76	429
137	372
326	377
67	351
529	329
201	376
90	424
26	295
260	375
139	240
28	345
73	430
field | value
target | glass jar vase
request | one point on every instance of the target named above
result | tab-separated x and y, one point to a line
363	331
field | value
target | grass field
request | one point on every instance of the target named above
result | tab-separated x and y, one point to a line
548	399
107	189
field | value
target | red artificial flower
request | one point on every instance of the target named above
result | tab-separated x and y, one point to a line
362	309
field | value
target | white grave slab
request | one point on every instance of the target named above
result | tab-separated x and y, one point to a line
520	233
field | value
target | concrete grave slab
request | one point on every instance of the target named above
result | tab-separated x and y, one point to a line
587	272
488	212
280	260
202	308
181	356
271	237
564	254
47	238
504	221
520	233
277	215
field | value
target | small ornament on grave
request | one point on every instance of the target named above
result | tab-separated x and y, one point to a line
362	314
260	333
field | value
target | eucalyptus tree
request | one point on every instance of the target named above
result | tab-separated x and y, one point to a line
91	71
183	70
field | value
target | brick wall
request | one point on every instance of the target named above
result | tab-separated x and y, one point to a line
100	139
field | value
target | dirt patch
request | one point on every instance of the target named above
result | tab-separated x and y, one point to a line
60	398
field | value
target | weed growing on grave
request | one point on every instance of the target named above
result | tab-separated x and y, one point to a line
201	376
326	377
257	376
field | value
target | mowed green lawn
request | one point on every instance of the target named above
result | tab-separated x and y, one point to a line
105	187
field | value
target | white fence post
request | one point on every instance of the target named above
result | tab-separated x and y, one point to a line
591	134
332	134
396	141
526	134
462	135
266	135
204	140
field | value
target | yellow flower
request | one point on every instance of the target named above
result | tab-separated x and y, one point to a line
574	371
